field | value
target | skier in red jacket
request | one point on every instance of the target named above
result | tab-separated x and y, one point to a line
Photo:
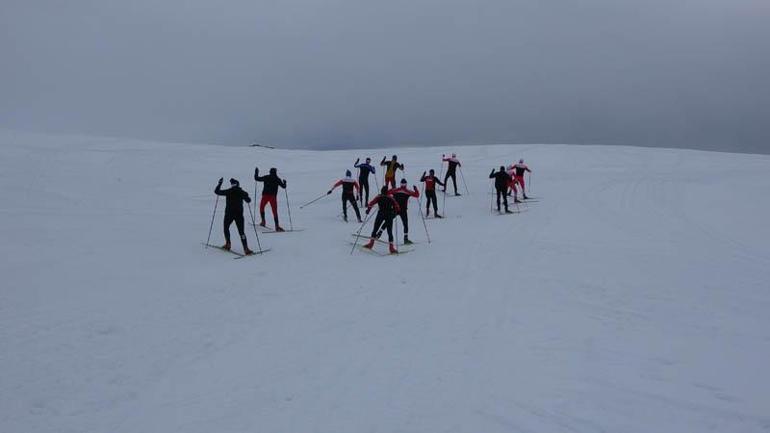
430	191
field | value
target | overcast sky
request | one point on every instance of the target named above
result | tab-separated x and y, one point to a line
359	73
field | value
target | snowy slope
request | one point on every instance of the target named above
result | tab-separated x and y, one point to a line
632	298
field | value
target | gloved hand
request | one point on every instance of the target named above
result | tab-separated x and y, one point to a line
415	187
357	159
285	184
221	179
256	171
368	210
328	192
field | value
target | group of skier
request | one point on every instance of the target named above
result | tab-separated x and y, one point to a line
391	202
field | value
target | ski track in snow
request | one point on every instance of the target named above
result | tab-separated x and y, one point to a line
632	297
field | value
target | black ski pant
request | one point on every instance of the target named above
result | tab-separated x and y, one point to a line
238	219
453	175
383	222
431	195
364	182
404	220
352	199
504	193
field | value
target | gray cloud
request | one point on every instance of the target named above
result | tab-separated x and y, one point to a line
352	73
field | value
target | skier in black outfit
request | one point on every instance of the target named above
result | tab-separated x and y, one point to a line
402	195
387	208
234	198
451	170
348	186
270	194
502	179
430	191
363	178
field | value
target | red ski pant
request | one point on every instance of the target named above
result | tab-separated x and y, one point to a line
520	181
273	205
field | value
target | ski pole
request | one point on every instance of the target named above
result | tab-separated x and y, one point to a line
254	226
314	200
443	206
255	201
358	233
491	197
419	210
529	182
462	176
211	226
288	208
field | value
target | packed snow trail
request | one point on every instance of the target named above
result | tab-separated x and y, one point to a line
632	297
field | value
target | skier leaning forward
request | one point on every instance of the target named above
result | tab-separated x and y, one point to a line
269	194
234	198
348	185
402	194
387	208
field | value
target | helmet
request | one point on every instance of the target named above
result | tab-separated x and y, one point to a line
454	155
234	182
273	171
347	173
403	181
521	161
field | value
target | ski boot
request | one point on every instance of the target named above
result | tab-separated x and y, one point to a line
517	200
392	249
345	218
360	221
507	211
407	241
369	245
226	246
262	224
457	195
279	228
525	197
247	251
439	216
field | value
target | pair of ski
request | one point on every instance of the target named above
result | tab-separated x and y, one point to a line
361	239
235	253
269	230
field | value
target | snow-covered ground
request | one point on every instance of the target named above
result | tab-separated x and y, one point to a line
633	297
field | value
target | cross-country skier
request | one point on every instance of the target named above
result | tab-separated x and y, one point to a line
269	194
512	185
234	198
451	170
363	177
390	171
402	194
430	191
518	176
348	185
387	208
502	179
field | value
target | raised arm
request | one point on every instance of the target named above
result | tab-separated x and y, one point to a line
218	189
